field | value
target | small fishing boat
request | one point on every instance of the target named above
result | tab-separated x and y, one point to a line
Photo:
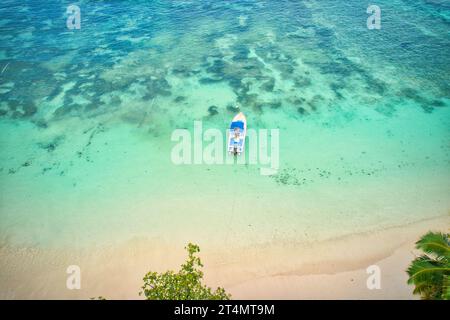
236	134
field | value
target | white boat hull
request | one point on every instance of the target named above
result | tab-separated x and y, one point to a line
236	134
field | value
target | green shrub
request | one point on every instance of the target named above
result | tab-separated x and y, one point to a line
186	284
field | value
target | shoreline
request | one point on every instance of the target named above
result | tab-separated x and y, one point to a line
274	270
339	286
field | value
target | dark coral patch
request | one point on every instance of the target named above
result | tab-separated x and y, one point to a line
302	111
22	109
209	80
213	110
232	108
179	99
268	85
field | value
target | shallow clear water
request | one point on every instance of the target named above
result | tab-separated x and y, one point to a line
86	118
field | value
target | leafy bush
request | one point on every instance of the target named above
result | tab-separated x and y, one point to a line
184	285
430	272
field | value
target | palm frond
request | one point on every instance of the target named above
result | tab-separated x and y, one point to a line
424	269
430	272
435	243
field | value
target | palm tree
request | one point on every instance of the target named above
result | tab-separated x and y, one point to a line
430	272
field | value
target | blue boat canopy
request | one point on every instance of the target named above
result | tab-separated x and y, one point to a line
237	124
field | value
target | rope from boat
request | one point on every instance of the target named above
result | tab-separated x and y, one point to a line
232	211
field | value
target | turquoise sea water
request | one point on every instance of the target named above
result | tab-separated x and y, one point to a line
86	118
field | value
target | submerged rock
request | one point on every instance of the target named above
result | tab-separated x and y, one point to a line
252	68
41	123
51	146
286	69
268	85
26	163
56	91
157	87
134	116
235	82
217	68
115	101
271	105
336	87
209	80
302	111
241	53
233	108
314	103
212	110
377	86
413	94
301	82
182	71
179	99
297	101
437	103
249	100
102	86
93	105
29	109
71	109
288	177
335	67
22	109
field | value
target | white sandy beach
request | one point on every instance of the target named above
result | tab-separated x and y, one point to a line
333	269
